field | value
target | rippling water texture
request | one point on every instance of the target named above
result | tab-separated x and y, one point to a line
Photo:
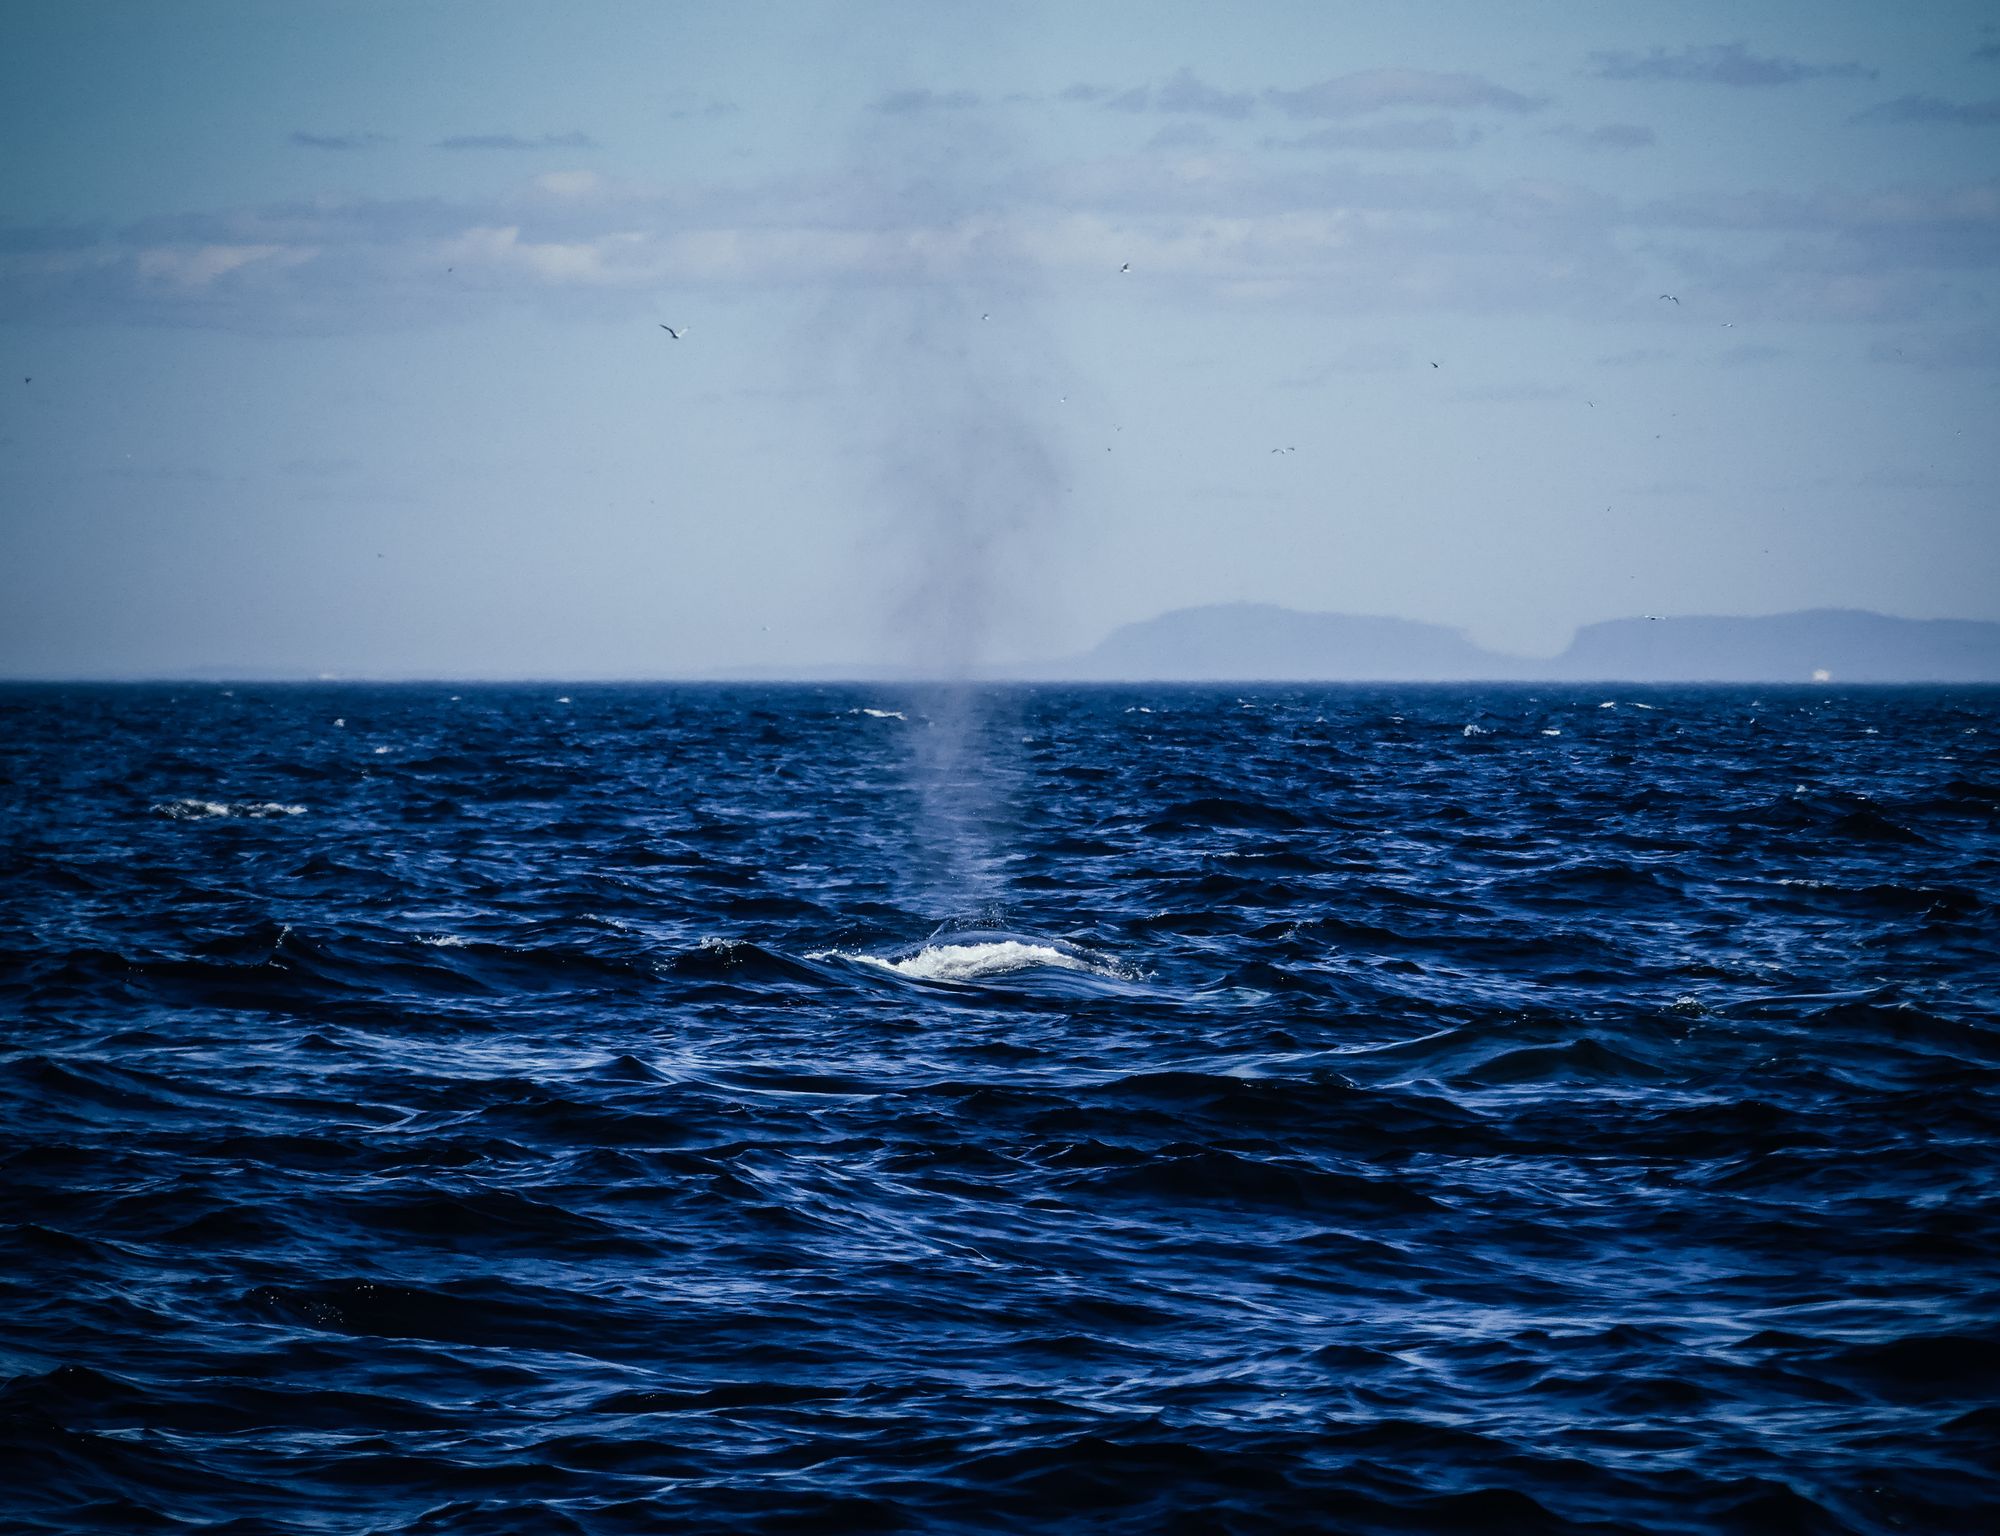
1192	1109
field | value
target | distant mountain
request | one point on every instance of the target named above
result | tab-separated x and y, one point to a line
1246	641
1258	640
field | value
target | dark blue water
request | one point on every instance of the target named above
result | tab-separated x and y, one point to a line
480	1110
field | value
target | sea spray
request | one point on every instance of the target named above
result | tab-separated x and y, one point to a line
943	367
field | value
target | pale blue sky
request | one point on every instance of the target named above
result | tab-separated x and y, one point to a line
342	324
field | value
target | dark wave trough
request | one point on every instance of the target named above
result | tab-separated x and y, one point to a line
1399	1110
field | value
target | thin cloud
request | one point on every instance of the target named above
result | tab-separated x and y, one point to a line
1377	90
1184	135
1430	133
1932	109
1247	229
339	141
910	102
1185	93
1987	53
1719	64
1083	92
686	105
1605	136
1748	354
513	141
1357	358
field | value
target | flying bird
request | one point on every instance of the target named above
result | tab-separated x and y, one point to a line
676	334
1126	268
1434	365
1669	296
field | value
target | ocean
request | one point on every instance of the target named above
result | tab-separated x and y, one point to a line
448	1109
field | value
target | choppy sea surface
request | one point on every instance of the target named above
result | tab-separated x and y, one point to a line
446	1109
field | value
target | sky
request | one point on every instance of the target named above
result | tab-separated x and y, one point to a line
334	332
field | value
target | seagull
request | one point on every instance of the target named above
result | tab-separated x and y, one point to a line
986	317
676	334
1655	617
1434	365
1669	296
1126	268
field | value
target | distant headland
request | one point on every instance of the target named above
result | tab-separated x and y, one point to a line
1263	642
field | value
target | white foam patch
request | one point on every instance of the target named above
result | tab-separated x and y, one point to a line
975	961
1552	731
881	714
204	810
443	940
1474	730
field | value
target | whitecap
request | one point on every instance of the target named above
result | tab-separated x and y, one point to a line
1552	731
1609	704
443	940
204	810
380	751
1474	730
883	714
979	957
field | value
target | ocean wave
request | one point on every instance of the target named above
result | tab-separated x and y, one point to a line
634	1115
970	957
